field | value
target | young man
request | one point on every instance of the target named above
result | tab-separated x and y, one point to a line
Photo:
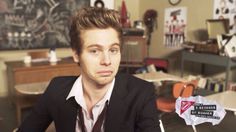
99	100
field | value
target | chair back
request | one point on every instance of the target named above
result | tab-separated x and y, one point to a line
181	89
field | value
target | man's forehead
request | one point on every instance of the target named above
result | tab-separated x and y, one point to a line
101	37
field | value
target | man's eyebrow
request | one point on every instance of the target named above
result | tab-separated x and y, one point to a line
100	46
94	45
116	44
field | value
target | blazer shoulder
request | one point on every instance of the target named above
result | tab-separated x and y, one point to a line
133	81
64	79
61	83
132	78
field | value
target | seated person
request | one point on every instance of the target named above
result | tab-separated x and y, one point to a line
98	100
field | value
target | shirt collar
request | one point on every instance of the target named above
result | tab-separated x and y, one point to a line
77	93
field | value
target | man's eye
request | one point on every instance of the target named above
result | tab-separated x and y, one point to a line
114	50
94	51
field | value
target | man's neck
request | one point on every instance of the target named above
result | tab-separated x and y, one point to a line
93	94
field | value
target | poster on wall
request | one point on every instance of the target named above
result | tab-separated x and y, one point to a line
175	23
226	9
35	24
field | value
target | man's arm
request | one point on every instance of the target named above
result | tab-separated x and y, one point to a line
148	116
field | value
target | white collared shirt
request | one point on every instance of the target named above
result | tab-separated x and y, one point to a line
77	92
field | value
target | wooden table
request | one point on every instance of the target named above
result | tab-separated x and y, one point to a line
20	73
26	81
158	77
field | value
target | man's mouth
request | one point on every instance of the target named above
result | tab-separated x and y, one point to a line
105	72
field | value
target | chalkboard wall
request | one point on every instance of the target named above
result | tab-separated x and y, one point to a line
35	24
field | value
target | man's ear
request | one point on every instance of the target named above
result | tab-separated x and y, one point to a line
75	56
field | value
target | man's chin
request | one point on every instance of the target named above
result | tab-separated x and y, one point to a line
105	80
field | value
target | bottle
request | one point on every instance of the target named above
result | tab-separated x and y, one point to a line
52	55
123	14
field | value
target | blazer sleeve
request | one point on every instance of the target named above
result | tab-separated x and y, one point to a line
39	119
148	116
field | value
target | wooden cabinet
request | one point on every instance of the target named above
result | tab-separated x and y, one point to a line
134	50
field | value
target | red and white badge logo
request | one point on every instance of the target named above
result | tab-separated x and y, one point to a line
185	105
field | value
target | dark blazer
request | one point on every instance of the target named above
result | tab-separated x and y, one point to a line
131	108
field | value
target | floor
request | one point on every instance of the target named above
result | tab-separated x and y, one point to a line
172	122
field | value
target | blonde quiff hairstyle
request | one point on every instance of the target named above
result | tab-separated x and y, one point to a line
90	18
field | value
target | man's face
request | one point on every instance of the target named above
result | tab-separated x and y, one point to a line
100	56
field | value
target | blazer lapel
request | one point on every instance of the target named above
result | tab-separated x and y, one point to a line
70	115
116	106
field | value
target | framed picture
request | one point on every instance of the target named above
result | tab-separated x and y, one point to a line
35	24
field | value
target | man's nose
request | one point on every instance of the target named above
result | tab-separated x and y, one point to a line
106	60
